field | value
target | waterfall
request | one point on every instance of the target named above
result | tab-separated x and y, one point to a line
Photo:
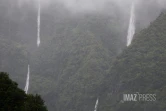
96	105
131	29
38	23
27	81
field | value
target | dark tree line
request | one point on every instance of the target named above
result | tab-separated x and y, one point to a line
14	99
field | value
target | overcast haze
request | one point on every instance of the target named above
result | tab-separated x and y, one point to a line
90	5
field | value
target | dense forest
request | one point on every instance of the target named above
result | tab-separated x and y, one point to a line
83	55
139	68
15	99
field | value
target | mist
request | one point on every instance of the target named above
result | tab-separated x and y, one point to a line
80	40
79	6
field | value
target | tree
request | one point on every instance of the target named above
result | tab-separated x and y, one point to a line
38	106
14	99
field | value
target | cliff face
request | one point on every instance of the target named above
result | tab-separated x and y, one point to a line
140	68
78	60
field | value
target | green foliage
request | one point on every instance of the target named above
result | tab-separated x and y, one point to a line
140	68
34	103
71	67
11	97
15	99
75	63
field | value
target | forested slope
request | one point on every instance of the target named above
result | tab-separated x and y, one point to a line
140	68
75	63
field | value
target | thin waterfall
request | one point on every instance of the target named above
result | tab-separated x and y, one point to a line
96	105
131	29
27	81
38	23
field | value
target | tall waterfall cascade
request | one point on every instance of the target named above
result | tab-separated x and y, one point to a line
131	29
96	105
38	23
27	81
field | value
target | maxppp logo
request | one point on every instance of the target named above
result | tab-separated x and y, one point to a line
138	97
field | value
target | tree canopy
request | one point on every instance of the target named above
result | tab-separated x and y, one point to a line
13	98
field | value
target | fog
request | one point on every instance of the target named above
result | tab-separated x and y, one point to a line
78	5
87	5
146	11
69	30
